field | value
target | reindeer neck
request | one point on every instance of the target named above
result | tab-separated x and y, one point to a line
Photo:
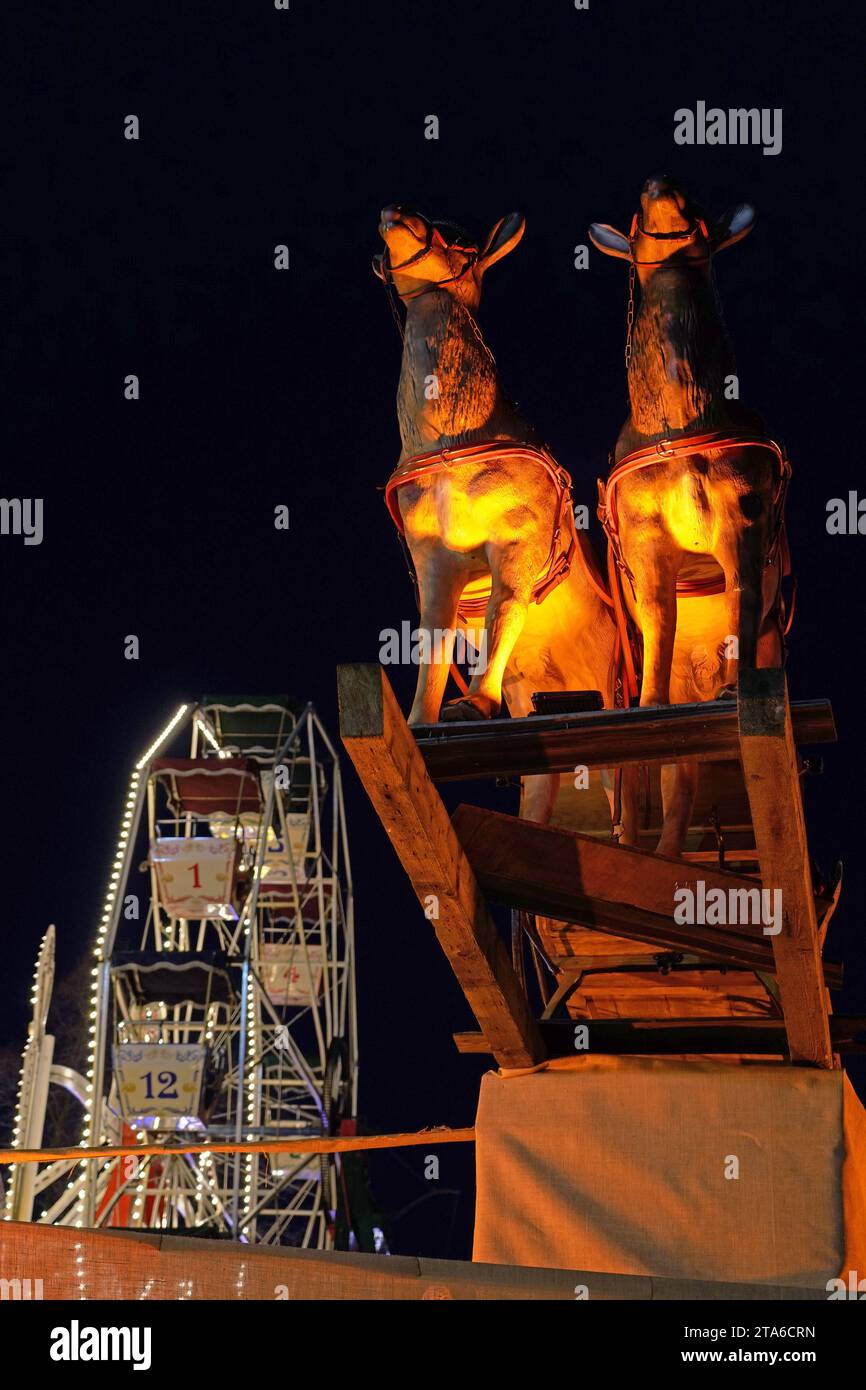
449	393
681	356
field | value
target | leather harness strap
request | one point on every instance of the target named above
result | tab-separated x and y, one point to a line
433	237
661	452
563	544
696	224
665	450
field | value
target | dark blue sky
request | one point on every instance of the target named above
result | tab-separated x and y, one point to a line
261	127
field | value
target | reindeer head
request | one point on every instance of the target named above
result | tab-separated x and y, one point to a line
670	231
421	256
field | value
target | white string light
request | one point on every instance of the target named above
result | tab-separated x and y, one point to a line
26	1067
205	729
161	738
127	820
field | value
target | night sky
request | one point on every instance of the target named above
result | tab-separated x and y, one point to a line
261	387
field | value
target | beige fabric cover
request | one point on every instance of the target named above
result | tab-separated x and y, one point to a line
618	1165
53	1262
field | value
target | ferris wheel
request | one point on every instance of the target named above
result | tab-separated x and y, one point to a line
223	1001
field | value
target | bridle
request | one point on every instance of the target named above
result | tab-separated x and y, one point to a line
696	225
433	239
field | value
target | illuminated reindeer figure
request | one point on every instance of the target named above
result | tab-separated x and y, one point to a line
484	508
694	505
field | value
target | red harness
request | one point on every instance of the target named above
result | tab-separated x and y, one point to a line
563	544
660	452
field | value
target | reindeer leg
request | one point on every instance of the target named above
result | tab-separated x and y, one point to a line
625	830
512	571
679	783
537	797
655	564
440	584
740	552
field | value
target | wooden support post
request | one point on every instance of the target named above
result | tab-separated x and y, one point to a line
387	760
773	786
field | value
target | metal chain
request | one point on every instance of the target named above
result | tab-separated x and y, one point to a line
395	313
392	296
717	297
477	331
629	321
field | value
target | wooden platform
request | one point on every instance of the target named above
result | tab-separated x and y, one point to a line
601	738
604	939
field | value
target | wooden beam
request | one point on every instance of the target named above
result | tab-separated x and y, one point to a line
602	738
623	892
471	1043
773	785
392	770
636	1036
339	1144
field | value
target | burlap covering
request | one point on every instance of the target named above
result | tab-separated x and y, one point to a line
92	1265
619	1165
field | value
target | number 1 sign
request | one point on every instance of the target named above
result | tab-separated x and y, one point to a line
195	875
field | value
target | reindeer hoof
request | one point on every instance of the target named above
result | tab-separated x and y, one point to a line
468	707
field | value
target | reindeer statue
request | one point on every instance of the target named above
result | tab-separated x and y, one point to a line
484	508
694	504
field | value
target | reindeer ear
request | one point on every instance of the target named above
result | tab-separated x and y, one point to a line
736	223
609	240
503	238
377	266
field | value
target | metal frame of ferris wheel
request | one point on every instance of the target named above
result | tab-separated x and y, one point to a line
288	1061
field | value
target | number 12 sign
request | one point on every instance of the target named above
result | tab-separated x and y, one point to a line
160	1081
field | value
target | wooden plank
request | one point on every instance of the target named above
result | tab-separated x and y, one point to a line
825	917
773	786
471	1043
602	738
392	770
624	892
641	1036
